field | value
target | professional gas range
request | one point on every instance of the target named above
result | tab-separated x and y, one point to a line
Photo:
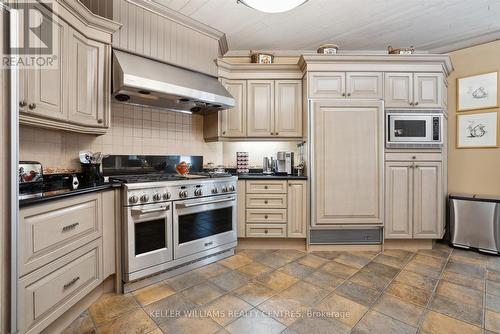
171	221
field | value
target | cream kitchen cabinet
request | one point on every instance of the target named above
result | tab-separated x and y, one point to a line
234	121
260	94
297	208
74	95
347	163
414	200
354	85
413	90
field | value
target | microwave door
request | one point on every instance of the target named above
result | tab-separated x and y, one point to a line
415	129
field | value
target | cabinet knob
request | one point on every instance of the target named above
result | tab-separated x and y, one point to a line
413	157
22	103
223	132
266	231
266	217
272	133
266	187
411	103
416	103
277	133
265	202
348	94
32	106
99	121
343	94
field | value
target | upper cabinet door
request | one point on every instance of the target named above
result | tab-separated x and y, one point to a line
86	80
398	200
428	200
233	121
398	90
348	162
428	90
327	85
288	108
47	88
260	112
364	85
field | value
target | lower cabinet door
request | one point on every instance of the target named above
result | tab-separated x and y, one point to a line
428	200
398	200
297	209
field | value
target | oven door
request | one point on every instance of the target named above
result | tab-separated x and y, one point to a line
201	224
409	128
148	236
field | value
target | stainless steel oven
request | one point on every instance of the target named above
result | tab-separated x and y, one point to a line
148	237
414	130
203	223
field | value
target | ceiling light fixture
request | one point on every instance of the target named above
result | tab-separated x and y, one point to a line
274	6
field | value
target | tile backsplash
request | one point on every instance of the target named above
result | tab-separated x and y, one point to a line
134	130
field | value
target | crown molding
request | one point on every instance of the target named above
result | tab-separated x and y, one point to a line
258	71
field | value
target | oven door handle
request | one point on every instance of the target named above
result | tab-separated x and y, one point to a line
189	205
143	211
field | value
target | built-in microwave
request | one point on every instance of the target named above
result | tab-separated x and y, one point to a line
414	130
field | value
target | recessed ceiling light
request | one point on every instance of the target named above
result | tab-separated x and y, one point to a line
272	6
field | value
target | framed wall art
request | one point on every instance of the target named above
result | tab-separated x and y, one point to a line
477	130
477	92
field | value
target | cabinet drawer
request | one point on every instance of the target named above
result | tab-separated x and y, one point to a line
52	230
266	231
267	201
47	293
266	215
413	156
266	187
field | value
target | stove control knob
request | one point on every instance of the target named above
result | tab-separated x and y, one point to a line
167	195
215	191
198	192
145	198
224	189
232	188
156	197
183	194
133	199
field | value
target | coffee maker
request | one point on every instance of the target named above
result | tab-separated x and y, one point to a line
284	163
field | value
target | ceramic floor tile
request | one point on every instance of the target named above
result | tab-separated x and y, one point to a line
305	293
353	260
470	282
133	322
175	306
254	269
382	269
339	269
203	293
324	280
312	261
335	303
255	322
469	257
493	275
470	313
459	293
212	270
285	310
190	325
402	255
153	293
273	260
390	261
329	255
226	309
437	323
375	322
492	321
409	293
277	280
254	293
416	280
255	253
81	325
186	280
230	280
235	261
493	303
358	293
493	288
399	309
439	253
430	261
290	254
370	279
316	326
296	270
110	306
423	269
493	262
466	269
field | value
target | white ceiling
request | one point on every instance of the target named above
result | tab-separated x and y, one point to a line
429	25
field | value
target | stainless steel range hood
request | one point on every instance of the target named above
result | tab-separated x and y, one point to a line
142	81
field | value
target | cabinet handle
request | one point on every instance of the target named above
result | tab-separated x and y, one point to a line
70	227
208	243
32	106
70	283
22	103
99	121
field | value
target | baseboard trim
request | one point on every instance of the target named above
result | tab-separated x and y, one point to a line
409	244
271	243
345	248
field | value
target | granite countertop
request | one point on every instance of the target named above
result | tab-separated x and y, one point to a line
260	176
41	196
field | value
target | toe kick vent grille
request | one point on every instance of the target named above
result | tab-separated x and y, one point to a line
370	236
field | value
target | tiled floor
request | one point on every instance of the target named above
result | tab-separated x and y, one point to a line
266	292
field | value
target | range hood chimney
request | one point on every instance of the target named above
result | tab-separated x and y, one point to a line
143	81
